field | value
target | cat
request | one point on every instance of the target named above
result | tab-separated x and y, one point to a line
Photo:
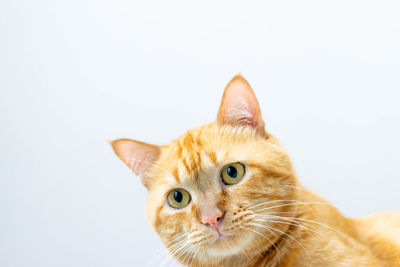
226	194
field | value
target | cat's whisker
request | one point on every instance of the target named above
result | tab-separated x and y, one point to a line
267	217
274	229
286	212
269	240
190	255
175	248
185	252
281	200
198	247
175	239
293	204
263	220
188	252
273	201
194	256
158	253
190	249
178	244
283	233
321	224
164	250
174	252
161	253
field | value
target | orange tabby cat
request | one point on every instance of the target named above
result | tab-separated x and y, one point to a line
226	194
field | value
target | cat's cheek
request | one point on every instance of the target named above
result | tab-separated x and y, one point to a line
169	227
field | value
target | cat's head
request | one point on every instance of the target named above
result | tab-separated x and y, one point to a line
212	190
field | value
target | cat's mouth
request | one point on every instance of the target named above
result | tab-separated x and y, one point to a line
222	238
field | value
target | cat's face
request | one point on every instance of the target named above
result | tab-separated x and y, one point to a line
212	190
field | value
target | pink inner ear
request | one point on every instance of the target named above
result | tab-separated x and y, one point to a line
136	155
239	105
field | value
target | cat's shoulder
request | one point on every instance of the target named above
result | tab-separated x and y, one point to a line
381	219
385	225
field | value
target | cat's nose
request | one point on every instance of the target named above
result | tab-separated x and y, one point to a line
213	219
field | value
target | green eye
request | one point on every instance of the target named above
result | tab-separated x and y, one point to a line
178	198
232	173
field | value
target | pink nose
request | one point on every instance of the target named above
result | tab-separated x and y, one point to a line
214	219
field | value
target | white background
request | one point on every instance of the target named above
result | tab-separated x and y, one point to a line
77	73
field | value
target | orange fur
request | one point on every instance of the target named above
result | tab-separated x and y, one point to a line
270	219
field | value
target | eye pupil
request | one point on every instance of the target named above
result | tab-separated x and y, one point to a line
178	196
232	172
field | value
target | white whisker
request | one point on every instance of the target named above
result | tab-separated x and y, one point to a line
293	204
294	224
164	249
283	233
321	224
269	240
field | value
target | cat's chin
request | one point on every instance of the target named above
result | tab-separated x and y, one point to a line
223	239
224	245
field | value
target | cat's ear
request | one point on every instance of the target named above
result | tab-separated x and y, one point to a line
138	156
239	105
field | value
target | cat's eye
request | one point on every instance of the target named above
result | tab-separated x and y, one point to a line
232	173
178	198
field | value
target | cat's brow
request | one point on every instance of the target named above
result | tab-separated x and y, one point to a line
175	174
189	149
